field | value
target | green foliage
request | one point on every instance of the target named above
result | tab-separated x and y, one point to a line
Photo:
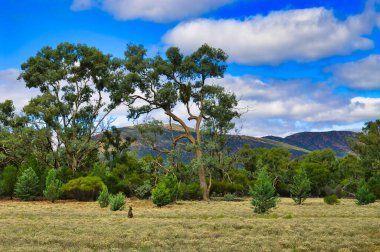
27	186
331	199
300	189
165	191
8	180
53	186
70	78
374	186
83	188
143	191
263	194
367	147
117	202
363	195
104	198
190	191
222	188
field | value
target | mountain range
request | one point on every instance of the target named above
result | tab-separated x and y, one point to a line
298	144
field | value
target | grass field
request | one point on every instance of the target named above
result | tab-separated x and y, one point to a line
189	226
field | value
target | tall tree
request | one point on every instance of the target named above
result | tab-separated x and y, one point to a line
158	83
72	80
367	147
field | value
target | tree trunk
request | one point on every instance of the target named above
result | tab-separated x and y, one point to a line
202	176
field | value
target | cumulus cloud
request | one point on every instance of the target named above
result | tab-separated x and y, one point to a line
300	35
362	74
152	10
277	107
13	89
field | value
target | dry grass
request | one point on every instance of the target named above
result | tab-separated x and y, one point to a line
189	226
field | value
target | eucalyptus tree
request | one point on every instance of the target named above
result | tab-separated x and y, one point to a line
72	79
163	83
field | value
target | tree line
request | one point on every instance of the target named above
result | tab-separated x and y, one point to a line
66	129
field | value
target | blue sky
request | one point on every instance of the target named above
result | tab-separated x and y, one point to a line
297	65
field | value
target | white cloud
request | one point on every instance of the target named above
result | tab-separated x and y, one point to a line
362	74
152	10
13	89
301	35
284	107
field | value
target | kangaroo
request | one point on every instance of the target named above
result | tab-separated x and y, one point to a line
130	214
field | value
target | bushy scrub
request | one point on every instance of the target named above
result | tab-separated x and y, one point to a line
117	202
165	192
230	197
190	191
27	186
104	198
221	188
374	186
8	181
364	196
331	199
53	186
300	189
143	191
83	188
264	196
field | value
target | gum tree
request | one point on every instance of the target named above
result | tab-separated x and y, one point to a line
72	79
163	83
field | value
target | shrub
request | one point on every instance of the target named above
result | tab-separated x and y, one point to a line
53	186
374	186
117	202
363	195
263	194
27	186
222	188
189	191
8	181
230	197
104	198
331	199
83	188
143	191
300	189
165	191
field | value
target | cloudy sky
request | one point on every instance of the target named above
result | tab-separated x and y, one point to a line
296	65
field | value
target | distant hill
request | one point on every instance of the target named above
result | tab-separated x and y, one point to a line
336	140
298	144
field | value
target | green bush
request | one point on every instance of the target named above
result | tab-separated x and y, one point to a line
189	191
165	191
53	186
331	199
27	186
83	188
364	196
300	189
104	198
374	186
263	194
8	181
117	202
143	191
221	188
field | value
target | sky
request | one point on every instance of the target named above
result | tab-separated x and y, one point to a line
295	65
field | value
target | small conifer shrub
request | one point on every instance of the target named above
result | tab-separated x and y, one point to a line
104	198
27	186
264	196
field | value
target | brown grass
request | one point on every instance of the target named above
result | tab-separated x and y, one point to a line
189	226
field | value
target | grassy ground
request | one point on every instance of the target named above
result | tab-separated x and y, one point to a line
189	226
